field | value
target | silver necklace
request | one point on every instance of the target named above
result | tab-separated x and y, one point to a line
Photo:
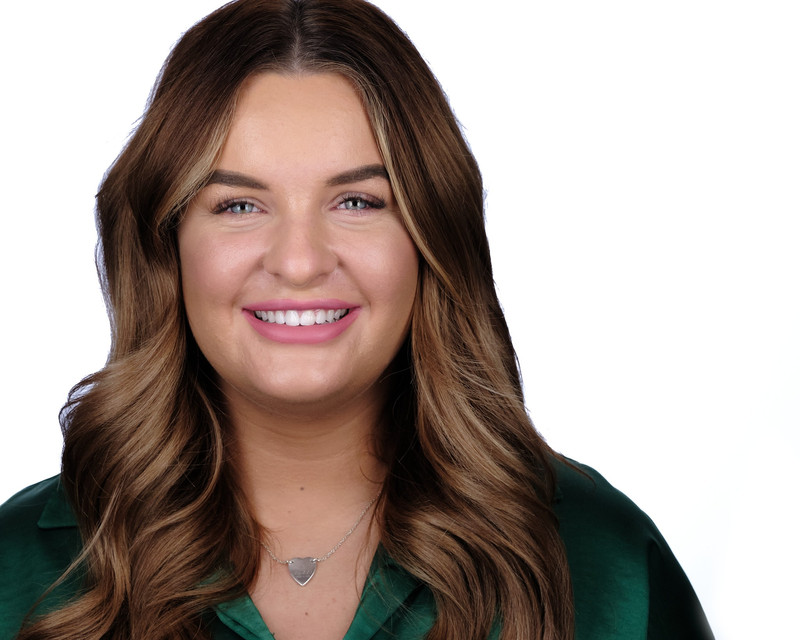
303	569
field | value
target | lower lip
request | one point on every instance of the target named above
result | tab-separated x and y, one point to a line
312	334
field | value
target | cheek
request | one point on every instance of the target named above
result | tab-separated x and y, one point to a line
408	270
210	268
399	266
197	270
208	279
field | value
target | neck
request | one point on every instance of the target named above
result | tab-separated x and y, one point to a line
300	469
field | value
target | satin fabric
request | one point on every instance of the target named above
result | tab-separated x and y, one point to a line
627	584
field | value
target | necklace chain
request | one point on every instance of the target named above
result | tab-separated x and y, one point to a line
335	547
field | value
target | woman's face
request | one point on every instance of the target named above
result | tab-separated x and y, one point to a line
298	274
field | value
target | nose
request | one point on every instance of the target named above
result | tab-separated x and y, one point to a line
299	250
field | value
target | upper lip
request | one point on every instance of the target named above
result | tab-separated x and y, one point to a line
285	304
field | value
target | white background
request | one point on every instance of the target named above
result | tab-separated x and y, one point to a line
641	163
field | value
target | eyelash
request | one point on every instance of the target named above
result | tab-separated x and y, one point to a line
223	206
370	202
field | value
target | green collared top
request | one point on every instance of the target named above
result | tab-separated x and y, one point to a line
627	584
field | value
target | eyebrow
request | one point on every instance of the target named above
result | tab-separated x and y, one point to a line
359	174
367	172
234	179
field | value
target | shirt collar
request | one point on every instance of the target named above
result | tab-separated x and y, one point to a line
57	513
388	588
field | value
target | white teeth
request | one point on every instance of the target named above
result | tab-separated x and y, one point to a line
305	318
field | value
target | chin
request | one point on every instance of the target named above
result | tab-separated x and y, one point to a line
301	397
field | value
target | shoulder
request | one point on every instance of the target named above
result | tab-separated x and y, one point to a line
38	508
590	509
27	505
626	580
38	540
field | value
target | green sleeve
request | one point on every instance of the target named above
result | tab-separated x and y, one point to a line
32	555
674	610
627	584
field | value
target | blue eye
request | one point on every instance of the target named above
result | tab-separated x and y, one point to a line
236	207
355	203
241	207
359	203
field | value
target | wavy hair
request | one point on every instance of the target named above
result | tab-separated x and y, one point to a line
467	501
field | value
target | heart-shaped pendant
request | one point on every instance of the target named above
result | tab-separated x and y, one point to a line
302	569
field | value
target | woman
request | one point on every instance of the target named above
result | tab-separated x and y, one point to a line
311	423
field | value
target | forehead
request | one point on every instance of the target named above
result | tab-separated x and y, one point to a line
310	117
301	90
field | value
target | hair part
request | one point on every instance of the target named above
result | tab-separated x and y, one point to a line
467	504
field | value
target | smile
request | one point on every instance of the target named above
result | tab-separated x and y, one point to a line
301	318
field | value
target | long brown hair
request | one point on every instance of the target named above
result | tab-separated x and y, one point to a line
467	503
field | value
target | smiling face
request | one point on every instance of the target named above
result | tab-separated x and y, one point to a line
298	274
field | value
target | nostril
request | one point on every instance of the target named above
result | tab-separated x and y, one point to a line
300	254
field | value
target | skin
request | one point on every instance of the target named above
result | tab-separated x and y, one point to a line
292	215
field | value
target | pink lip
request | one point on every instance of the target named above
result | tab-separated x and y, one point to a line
282	304
313	334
